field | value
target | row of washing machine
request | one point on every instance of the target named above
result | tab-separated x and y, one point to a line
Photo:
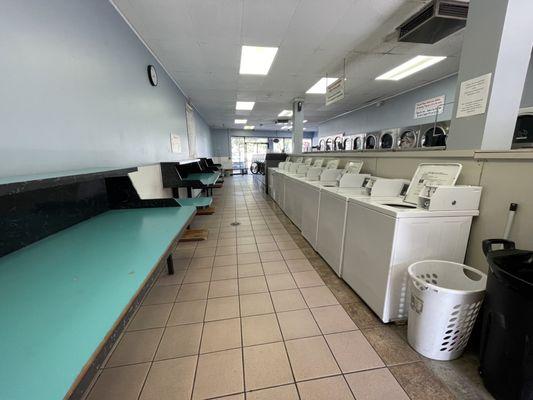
408	138
370	229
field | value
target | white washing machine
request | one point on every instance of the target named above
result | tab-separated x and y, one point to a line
383	237
331	225
293	199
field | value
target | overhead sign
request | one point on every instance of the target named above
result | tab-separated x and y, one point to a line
335	91
429	107
473	96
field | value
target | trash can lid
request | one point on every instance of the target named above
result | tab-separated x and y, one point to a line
514	267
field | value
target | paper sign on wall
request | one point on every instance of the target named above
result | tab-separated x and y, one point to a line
430	107
473	96
335	91
175	143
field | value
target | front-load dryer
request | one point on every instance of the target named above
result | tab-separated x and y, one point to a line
408	139
329	144
322	145
523	132
358	142
372	140
347	143
388	139
434	135
338	143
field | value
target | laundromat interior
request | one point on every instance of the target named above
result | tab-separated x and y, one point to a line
266	199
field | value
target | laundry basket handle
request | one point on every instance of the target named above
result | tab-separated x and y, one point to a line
488	243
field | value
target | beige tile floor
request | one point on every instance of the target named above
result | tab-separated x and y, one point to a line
254	313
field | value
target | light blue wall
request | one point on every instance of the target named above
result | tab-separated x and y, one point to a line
203	137
399	111
221	138
393	113
75	94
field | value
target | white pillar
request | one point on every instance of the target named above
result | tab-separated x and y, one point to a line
297	125
498	39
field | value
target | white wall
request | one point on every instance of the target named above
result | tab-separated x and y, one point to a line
75	93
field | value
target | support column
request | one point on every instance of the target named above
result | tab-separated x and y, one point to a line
498	40
297	125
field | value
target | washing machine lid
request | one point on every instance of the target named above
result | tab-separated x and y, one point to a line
353	167
318	162
437	174
308	161
332	164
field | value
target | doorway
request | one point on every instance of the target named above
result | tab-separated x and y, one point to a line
245	150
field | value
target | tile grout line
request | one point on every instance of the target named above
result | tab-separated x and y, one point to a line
200	344
362	332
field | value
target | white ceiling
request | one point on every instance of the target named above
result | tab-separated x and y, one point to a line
199	42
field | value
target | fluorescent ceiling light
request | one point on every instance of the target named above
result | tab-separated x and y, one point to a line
321	85
305	121
241	121
249	127
285	113
256	60
245	105
410	67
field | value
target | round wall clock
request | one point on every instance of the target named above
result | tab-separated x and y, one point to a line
152	75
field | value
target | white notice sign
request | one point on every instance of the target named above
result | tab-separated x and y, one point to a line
335	91
175	143
473	96
429	107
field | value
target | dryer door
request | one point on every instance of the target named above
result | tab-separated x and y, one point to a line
370	142
434	137
407	140
358	143
523	132
387	141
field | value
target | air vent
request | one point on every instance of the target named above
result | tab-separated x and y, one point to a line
453	10
417	20
434	22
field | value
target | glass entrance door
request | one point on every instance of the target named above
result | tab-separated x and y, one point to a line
245	150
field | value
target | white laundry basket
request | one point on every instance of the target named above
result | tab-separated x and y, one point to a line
445	300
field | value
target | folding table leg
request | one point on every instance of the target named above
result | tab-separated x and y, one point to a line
170	265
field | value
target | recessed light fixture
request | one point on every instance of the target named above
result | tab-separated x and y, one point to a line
249	127
410	67
256	60
305	121
321	85
241	121
285	113
245	105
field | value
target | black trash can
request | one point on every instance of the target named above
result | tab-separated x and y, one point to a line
506	354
